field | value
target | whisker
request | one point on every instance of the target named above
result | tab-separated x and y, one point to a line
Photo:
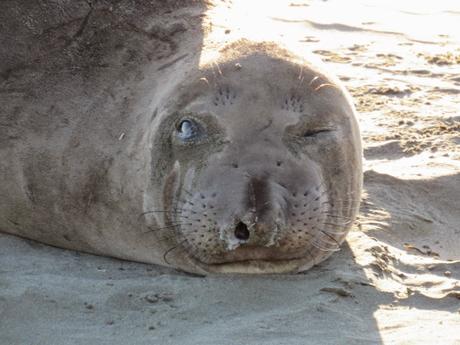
318	246
160	211
177	215
338	233
330	237
163	228
336	216
338	224
170	250
187	191
168	237
345	199
308	252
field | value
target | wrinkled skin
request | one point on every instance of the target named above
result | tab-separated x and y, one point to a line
263	177
270	178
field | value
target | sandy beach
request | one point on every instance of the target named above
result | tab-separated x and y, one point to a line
396	279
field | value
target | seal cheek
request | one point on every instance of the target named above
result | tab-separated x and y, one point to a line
171	191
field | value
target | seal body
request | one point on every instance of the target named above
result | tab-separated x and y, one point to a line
247	161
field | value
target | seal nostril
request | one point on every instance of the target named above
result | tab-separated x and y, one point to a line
241	231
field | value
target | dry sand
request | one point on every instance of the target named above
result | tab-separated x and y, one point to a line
396	280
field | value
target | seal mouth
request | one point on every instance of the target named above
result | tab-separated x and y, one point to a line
246	252
260	266
253	260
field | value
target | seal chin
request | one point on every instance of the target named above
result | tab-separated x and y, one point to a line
251	260
259	266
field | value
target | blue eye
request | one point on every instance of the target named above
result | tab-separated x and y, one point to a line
187	129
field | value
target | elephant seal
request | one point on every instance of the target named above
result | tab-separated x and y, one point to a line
241	159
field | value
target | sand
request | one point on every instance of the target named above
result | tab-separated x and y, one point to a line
396	279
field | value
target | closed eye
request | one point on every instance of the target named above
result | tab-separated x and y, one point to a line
315	132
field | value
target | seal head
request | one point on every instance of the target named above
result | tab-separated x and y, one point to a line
256	165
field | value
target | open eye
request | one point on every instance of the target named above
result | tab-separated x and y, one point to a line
188	129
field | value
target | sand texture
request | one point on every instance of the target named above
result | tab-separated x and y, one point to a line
396	279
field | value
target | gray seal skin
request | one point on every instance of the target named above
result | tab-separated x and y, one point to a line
117	138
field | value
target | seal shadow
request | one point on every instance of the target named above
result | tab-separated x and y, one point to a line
419	216
400	255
